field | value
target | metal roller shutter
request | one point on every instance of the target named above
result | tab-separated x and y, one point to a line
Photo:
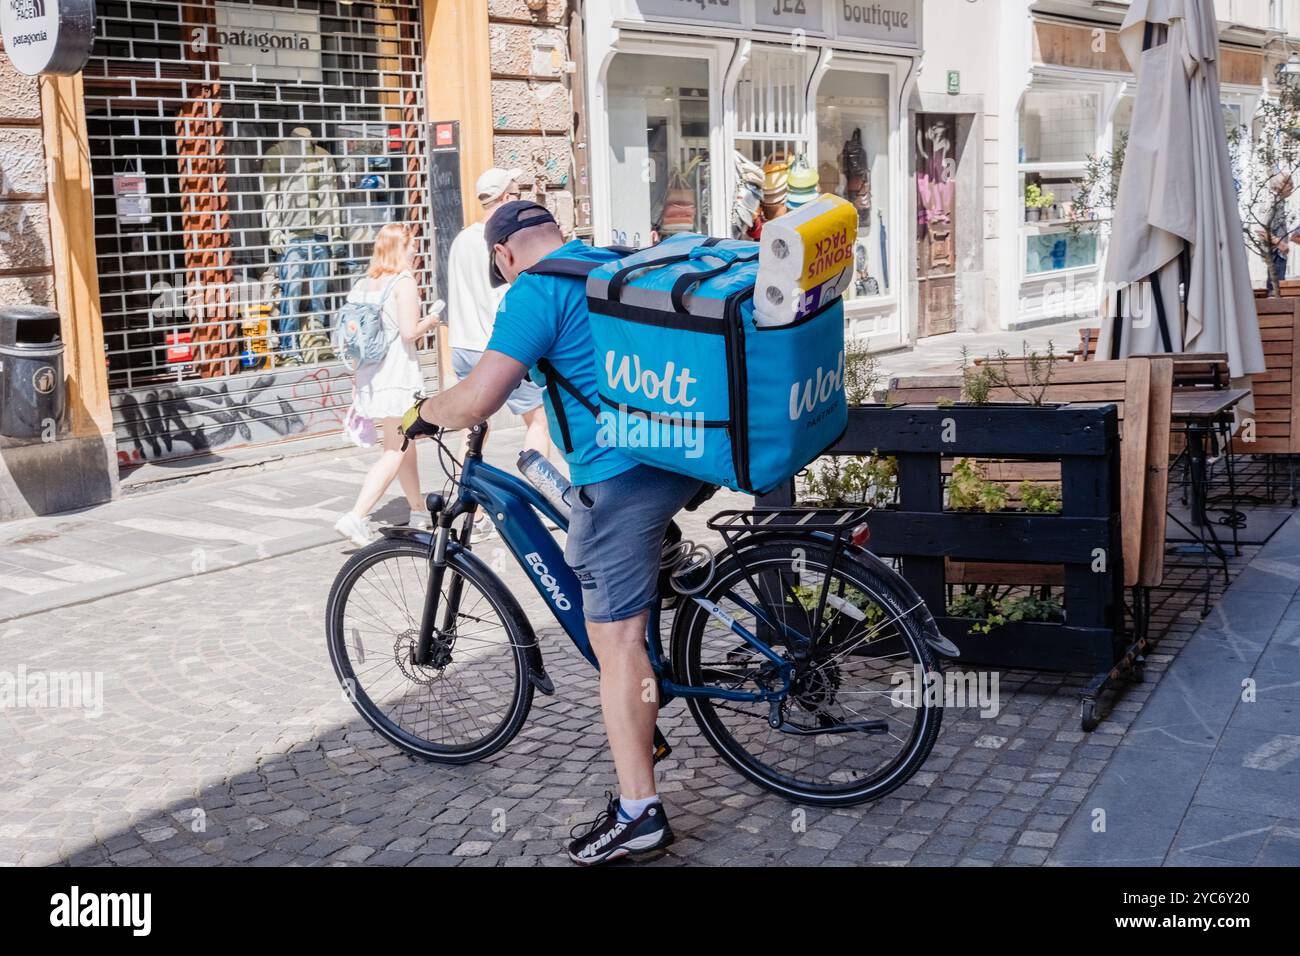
243	156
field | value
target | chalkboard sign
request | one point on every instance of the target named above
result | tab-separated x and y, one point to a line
444	183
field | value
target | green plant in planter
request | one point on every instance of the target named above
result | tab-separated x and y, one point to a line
861	374
834	481
992	497
1040	499
1030	607
977	381
1035	198
990	611
1038	374
969	488
877	479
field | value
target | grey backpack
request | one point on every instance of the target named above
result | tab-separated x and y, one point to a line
360	339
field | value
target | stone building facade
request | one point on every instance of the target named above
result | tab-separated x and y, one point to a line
532	99
26	266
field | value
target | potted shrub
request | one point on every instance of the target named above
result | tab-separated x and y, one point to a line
1036	201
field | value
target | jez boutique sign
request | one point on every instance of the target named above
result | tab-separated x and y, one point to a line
48	36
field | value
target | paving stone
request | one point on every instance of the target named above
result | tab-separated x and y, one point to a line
286	772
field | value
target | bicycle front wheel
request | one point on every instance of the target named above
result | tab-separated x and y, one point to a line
847	734
473	695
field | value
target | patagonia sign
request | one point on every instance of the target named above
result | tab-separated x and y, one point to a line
261	42
47	36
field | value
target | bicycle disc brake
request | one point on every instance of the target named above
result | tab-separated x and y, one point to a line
404	655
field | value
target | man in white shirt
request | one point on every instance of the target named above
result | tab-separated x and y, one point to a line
472	304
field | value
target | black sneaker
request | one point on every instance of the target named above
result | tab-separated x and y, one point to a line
610	838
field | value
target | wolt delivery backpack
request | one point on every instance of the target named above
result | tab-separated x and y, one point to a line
688	381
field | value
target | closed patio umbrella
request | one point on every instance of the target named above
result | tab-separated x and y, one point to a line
1176	221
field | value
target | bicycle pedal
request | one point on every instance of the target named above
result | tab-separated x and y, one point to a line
662	748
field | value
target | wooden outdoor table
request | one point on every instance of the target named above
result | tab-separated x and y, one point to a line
1200	411
1205	405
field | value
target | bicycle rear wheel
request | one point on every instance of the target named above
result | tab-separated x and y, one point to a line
873	637
475	693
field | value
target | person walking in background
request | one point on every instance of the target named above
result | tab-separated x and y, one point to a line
1279	235
383	393
473	305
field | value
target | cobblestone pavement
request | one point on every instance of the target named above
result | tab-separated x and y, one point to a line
224	739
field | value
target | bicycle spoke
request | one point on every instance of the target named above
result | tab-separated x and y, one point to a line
844	678
467	689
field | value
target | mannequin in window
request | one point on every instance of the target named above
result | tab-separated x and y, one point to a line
300	210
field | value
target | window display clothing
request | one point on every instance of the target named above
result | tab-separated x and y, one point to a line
301	212
299	191
388	389
304	273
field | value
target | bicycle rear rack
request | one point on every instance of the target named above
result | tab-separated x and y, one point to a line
833	521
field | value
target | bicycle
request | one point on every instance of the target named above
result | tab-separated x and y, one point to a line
787	646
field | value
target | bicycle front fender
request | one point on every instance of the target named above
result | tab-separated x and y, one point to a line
537	675
402	533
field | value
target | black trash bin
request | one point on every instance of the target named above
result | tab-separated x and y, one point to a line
32	392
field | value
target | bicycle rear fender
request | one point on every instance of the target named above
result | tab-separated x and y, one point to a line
536	669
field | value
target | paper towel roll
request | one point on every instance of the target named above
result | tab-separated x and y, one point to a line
805	260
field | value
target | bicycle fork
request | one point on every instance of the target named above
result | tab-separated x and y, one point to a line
422	654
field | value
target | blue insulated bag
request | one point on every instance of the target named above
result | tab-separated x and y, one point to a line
689	382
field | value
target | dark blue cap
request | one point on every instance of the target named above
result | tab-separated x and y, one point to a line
504	223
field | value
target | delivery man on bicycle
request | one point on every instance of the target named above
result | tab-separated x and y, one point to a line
620	510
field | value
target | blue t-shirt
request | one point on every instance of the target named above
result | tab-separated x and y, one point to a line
545	317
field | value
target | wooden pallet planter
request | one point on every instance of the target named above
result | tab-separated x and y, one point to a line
1141	391
1083	440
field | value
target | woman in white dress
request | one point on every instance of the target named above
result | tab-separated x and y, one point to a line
383	393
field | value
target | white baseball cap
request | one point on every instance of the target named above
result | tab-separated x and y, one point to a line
494	182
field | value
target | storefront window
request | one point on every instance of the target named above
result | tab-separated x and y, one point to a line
853	163
659	130
1057	127
1048	252
1059	135
771	143
244	155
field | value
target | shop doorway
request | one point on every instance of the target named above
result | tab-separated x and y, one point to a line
936	223
244	153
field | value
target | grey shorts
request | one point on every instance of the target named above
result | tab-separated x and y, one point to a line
523	399
616	534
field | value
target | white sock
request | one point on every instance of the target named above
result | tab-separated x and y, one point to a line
629	810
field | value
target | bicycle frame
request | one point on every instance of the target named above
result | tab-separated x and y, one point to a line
514	505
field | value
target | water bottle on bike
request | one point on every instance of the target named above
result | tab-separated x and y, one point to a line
547	479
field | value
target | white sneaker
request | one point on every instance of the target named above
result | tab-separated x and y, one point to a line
419	520
354	529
